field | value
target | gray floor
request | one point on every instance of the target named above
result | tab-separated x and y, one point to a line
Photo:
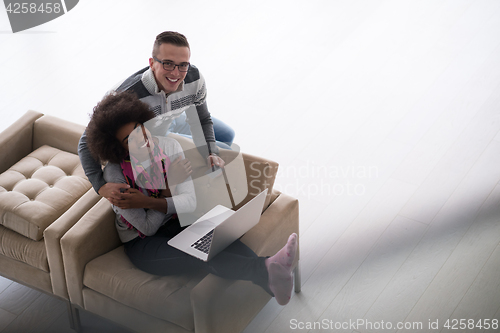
383	115
23	309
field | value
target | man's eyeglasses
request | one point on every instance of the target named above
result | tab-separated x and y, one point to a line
170	66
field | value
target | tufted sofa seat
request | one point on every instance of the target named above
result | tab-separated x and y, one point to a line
43	192
38	189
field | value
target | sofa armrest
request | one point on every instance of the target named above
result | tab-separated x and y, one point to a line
57	133
217	302
279	220
16	141
56	231
93	235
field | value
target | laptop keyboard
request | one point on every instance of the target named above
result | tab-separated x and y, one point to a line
203	244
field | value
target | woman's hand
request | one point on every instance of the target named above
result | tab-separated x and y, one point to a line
131	198
166	193
112	190
178	171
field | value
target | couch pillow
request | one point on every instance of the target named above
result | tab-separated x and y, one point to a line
38	189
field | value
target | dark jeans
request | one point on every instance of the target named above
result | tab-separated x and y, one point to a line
237	262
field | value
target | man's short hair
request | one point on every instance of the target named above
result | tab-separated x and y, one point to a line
169	37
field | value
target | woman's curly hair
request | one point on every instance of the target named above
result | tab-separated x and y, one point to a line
109	115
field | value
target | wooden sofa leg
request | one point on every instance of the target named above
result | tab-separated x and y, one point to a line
296	276
74	318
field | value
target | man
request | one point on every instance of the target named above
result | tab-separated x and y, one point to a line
171	86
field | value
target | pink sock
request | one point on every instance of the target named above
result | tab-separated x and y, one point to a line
286	255
279	268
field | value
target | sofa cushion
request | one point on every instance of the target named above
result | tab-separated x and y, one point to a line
23	249
38	189
113	275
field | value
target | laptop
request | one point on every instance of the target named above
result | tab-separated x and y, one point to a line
218	228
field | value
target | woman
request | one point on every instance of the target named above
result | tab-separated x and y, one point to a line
161	186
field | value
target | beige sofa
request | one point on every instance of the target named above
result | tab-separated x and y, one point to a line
103	281
43	192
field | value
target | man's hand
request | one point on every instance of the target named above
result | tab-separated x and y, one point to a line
111	191
215	160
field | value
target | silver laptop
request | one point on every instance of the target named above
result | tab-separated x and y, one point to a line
218	228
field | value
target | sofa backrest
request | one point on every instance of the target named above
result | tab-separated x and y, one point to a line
16	141
57	133
261	174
